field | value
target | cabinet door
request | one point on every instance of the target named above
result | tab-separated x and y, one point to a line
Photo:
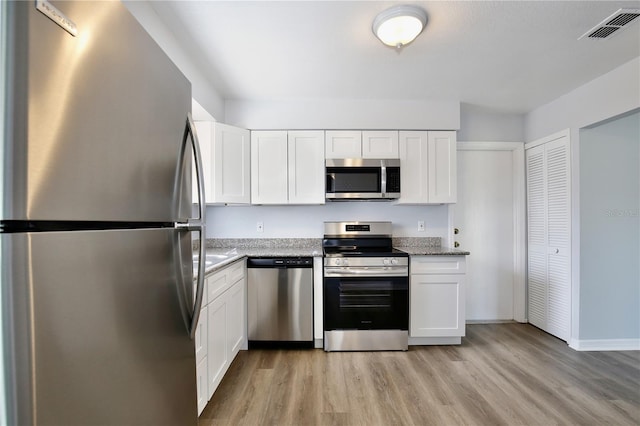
343	144
201	335
306	167
414	185
202	379
204	130
380	144
231	172
437	305
236	320
442	167
217	353
269	182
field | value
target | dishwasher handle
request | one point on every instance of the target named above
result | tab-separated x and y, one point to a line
280	262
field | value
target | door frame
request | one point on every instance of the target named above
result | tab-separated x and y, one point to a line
519	219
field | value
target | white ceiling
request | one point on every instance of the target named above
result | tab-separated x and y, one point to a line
510	56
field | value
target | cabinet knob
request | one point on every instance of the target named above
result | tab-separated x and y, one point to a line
456	244
456	231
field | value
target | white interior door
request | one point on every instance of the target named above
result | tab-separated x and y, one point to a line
487	216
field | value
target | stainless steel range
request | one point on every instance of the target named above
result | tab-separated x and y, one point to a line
366	288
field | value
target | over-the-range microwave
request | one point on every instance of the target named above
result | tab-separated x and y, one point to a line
362	179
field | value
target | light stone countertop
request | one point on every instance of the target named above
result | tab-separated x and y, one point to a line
432	251
223	252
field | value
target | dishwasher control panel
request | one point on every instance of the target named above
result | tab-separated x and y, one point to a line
276	262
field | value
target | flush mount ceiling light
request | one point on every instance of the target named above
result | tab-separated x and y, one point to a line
399	25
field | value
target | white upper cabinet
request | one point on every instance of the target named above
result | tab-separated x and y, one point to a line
427	167
361	144
226	161
414	179
442	167
343	144
287	167
380	144
306	167
269	181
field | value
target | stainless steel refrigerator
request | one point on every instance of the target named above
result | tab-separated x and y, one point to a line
98	308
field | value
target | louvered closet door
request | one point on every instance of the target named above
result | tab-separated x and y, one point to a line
537	232
549	236
558	232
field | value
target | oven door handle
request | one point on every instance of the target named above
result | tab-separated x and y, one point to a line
369	272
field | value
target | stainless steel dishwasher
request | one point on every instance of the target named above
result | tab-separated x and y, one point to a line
280	302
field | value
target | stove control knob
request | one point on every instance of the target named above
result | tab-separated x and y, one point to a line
345	262
394	261
338	262
385	261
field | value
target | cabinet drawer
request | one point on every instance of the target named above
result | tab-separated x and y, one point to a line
438	265
221	280
217	283
235	271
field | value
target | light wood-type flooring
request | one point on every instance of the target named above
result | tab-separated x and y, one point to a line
502	374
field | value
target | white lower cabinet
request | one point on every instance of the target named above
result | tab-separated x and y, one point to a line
222	329
202	379
202	376
437	296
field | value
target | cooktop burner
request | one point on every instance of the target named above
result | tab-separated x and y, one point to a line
359	239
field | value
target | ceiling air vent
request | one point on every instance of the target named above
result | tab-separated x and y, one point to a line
611	24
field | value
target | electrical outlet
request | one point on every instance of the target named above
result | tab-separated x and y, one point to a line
260	227
421	225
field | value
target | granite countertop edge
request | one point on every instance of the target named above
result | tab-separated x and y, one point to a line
433	251
309	250
238	254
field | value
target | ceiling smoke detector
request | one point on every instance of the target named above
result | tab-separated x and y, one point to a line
611	24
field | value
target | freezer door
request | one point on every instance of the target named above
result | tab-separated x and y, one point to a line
95	327
95	122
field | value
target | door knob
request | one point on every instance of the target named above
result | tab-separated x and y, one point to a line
456	244
456	231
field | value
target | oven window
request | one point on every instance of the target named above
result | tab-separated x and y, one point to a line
372	295
366	303
354	180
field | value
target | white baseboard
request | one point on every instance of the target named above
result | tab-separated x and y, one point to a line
605	345
422	341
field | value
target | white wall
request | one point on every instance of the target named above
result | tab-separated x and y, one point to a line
609	95
482	124
612	94
307	221
344	114
203	90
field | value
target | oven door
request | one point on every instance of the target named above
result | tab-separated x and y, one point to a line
366	303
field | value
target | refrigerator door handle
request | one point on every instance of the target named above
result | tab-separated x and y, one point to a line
196	224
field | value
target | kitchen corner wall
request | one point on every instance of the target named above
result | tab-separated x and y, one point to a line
307	221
